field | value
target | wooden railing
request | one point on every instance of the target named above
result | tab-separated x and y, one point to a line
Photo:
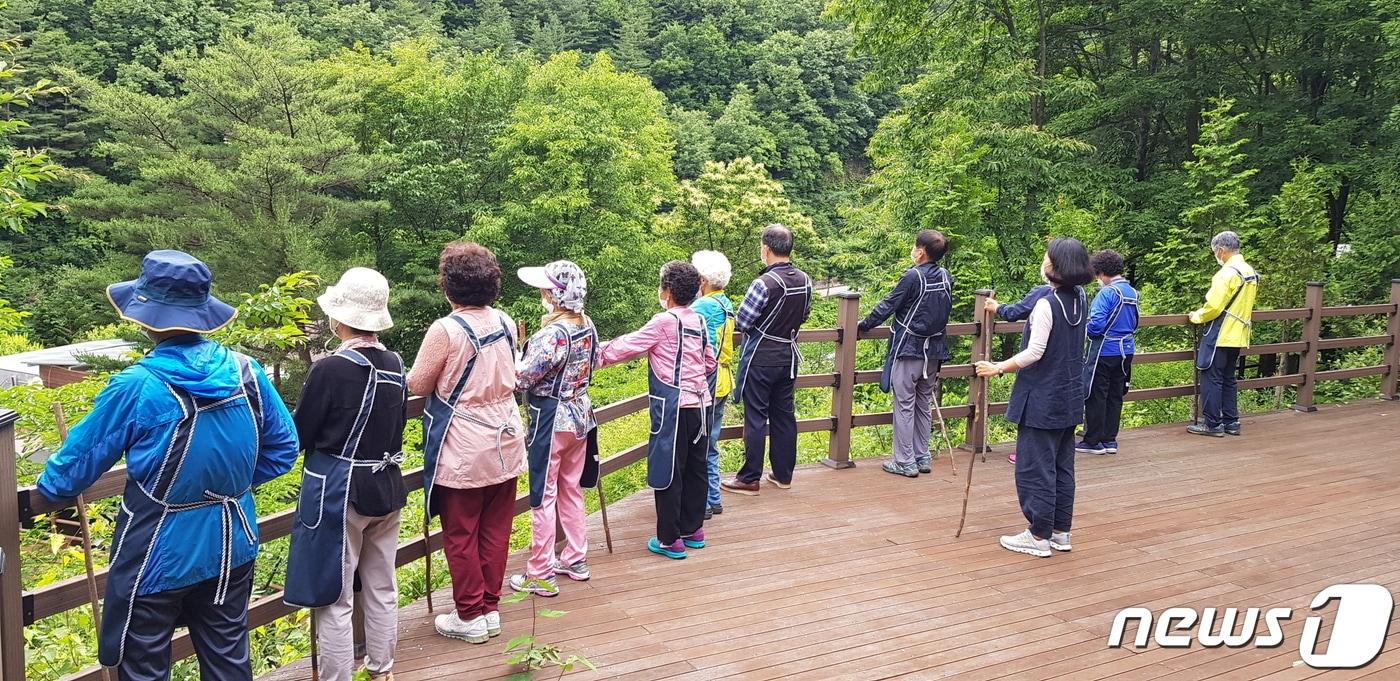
19	608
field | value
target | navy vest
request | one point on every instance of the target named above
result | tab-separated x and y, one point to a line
789	297
1050	393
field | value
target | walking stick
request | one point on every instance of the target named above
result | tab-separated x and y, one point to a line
603	508
315	652
942	426
428	556
979	411
1195	375
86	532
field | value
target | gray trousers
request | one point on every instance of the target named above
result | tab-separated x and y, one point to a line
913	407
370	547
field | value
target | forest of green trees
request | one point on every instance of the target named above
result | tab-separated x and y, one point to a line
274	136
283	141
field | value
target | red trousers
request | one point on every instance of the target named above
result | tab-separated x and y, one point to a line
476	538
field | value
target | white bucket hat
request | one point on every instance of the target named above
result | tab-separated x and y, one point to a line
360	300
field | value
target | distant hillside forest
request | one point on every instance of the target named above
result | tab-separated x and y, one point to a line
278	136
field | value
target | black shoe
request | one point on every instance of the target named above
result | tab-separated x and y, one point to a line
716	509
1202	429
1233	428
709	513
925	464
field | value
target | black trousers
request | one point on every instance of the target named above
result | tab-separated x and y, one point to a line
219	632
769	414
1103	409
680	508
1045	478
1219	395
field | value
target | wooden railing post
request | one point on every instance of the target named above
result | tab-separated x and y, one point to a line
11	589
1312	335
843	396
1390	385
976	385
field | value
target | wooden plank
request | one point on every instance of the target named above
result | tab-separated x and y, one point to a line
1352	342
1357	310
1358	372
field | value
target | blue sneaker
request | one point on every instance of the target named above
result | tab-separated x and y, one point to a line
1203	429
1083	447
1110	447
696	540
675	550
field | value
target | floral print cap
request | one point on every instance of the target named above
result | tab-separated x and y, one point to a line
562	281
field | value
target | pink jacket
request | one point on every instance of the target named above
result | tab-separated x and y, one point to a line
657	340
472	452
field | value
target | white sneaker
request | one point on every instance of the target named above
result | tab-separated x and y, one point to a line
493	623
546	586
1059	541
452	626
1027	544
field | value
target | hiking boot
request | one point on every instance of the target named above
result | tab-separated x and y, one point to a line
1110	447
1060	541
1083	447
768	478
1026	543
905	469
539	586
1203	429
675	550
738	486
716	509
709	513
577	572
452	626
924	463
694	540
1232	428
493	624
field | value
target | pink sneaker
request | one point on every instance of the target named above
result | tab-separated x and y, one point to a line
1011	457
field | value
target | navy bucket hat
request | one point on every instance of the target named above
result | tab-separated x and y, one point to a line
172	294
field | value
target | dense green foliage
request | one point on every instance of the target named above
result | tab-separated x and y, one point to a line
305	136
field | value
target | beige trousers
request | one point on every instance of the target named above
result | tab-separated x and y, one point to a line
370	544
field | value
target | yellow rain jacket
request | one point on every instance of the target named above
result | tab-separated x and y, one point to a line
1234	332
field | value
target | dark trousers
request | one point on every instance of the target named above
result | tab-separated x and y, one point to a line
1219	396
476	539
1103	409
219	632
769	415
1045	478
680	508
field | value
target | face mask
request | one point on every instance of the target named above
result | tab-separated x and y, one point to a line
662	302
548	306
1045	277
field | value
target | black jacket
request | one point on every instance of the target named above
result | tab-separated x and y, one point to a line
921	301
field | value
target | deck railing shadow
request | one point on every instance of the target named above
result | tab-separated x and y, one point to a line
20	608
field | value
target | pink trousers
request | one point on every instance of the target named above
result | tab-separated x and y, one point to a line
562	497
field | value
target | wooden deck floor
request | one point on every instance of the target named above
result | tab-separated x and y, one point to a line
855	574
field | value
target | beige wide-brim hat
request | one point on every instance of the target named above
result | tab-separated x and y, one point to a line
360	300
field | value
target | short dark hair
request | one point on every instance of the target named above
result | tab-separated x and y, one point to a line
1107	262
933	243
682	280
1069	262
469	274
778	239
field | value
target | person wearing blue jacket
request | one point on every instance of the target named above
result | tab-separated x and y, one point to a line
1108	360
200	426
920	304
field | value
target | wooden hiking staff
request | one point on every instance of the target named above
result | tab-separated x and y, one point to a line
603	509
943	426
86	533
979	409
